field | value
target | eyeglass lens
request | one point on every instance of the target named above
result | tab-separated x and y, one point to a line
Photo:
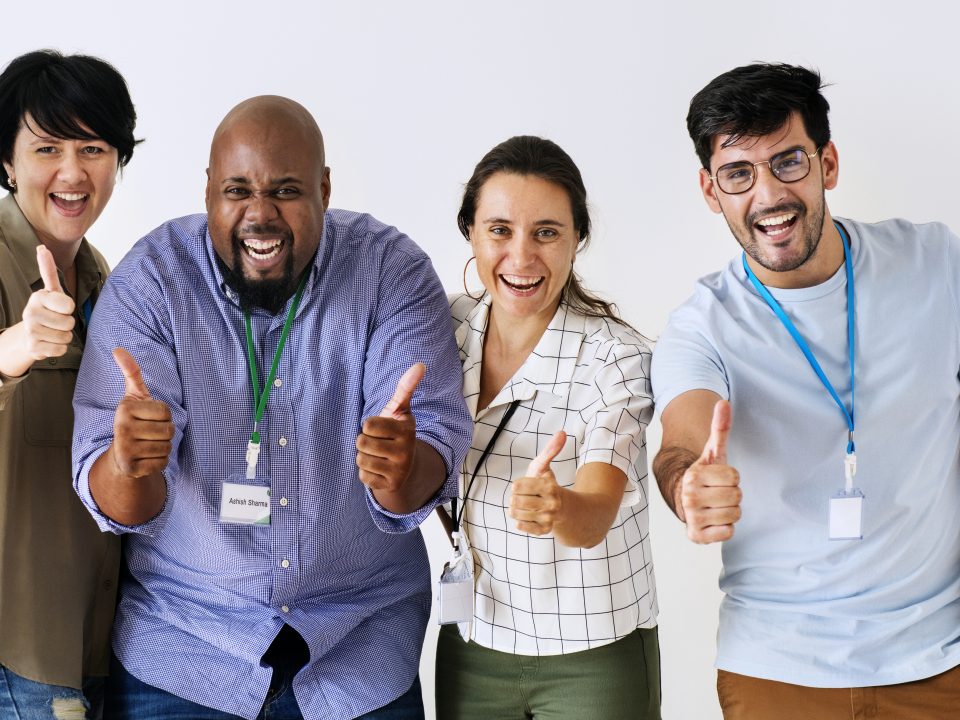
788	166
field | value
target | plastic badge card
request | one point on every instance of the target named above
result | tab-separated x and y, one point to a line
846	515
455	591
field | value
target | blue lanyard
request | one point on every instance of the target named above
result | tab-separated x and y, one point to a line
802	344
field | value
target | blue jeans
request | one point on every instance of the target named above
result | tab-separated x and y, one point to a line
130	699
22	699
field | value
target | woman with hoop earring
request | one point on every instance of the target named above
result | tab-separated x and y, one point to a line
552	514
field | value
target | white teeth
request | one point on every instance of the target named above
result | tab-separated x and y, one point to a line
262	249
522	281
69	197
777	220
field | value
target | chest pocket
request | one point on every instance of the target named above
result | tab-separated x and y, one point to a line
548	413
47	397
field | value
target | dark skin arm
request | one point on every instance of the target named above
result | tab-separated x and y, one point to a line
402	472
127	481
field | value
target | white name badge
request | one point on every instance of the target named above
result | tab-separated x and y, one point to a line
245	504
846	515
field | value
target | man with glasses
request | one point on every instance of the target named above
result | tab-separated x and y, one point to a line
811	421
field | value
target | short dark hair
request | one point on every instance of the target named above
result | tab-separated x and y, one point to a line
64	94
756	100
542	158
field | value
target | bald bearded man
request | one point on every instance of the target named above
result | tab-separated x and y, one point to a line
269	403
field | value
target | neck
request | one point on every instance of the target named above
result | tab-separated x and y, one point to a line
818	268
514	338
507	343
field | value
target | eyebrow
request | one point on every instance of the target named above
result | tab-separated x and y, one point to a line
241	180
44	139
505	221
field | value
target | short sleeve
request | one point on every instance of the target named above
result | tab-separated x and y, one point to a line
616	433
685	358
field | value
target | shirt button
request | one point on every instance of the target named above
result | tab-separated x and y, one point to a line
285	563
284	608
283	442
278	382
52	361
283	502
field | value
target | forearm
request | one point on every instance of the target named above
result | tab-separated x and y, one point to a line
126	500
426	477
14	360
668	467
584	518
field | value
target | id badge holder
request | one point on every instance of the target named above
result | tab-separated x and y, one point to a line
846	507
846	515
245	502
455	589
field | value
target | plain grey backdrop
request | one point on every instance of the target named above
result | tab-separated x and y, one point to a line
411	94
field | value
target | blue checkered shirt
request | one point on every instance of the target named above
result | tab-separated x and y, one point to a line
203	600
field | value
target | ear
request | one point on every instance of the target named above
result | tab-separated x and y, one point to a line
709	189
206	191
8	167
325	188
830	161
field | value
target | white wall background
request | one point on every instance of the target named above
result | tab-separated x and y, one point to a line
411	94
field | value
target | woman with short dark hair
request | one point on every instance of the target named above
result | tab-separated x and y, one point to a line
66	128
552	512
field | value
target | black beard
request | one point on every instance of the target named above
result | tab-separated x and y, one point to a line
269	295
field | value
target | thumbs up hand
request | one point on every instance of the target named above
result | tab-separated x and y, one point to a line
710	494
142	427
387	442
537	499
48	316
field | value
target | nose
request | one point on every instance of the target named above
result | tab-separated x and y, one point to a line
767	188
522	250
70	170
260	209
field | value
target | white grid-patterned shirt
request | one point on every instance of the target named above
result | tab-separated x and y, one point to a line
591	378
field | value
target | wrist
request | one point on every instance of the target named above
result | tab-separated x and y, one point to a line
678	500
15	362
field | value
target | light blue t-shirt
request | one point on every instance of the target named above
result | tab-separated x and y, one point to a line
798	607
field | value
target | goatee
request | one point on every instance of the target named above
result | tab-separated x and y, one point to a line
268	294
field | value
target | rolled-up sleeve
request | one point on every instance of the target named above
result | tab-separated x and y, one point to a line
129	315
413	325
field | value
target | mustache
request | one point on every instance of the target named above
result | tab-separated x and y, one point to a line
260	230
756	217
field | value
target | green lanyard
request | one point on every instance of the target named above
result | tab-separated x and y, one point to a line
260	396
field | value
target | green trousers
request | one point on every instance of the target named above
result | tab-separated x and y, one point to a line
612	682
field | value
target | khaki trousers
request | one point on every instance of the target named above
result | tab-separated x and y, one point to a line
748	698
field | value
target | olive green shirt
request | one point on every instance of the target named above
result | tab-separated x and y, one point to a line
58	572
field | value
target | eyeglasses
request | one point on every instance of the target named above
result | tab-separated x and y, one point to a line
788	166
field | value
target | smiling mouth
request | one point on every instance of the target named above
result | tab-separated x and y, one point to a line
522	283
775	225
261	250
69	201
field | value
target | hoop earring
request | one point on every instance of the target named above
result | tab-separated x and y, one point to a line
465	288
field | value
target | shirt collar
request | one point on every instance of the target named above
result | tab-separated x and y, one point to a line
548	369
